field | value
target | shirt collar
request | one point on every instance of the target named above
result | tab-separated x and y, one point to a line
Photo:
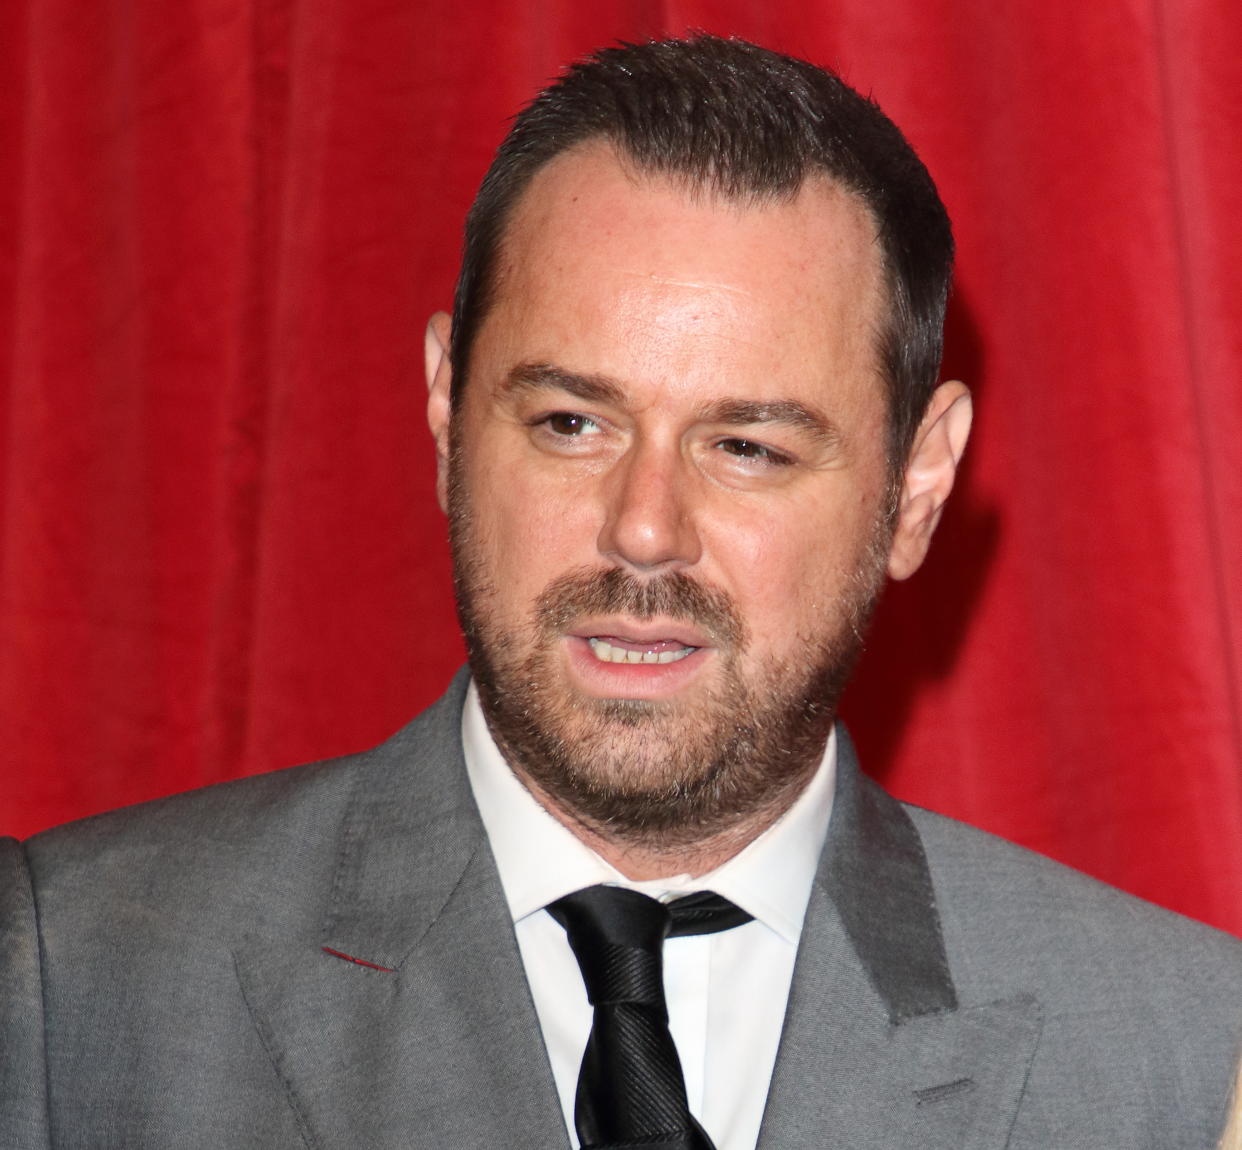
539	859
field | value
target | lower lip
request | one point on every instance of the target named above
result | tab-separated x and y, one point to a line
632	680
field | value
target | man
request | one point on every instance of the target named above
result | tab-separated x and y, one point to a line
687	421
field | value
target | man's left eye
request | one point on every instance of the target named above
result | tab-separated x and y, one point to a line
569	423
748	449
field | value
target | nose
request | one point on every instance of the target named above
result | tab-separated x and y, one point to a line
649	522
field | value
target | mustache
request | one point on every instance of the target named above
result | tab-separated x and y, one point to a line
673	595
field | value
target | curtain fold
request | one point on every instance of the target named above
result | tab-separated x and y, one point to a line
223	224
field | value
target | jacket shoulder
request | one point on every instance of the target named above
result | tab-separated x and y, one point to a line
1013	916
248	852
1141	1008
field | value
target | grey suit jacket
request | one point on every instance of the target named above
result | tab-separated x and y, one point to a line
322	957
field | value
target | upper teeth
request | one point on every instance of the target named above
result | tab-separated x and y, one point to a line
607	653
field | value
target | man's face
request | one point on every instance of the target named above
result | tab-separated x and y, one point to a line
666	489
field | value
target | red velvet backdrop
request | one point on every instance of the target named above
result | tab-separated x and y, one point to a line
222	226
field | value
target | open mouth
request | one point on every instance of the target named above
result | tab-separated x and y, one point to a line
612	649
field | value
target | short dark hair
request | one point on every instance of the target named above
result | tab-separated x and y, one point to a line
748	124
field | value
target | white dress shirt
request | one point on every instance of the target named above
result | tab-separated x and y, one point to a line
726	992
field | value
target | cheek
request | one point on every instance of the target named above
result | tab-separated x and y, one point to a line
764	566
533	532
788	571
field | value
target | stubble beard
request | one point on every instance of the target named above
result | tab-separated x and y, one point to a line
660	775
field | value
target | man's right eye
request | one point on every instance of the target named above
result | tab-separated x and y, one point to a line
569	423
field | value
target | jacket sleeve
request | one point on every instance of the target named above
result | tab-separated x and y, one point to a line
23	1074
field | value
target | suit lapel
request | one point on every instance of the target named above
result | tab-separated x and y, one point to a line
410	1022
877	1050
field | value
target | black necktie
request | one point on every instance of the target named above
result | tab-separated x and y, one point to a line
630	1090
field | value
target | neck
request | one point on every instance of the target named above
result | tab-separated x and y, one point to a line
642	857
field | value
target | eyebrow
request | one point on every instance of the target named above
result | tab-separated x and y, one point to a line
544	376
800	416
731	412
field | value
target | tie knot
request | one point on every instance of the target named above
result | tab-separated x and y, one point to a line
612	916
617	936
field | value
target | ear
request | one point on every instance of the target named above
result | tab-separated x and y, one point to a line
930	470
439	390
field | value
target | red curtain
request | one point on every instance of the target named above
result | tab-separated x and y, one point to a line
222	226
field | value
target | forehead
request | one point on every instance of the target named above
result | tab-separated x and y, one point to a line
603	260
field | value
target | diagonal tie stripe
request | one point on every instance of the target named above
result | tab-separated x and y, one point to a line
631	1091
